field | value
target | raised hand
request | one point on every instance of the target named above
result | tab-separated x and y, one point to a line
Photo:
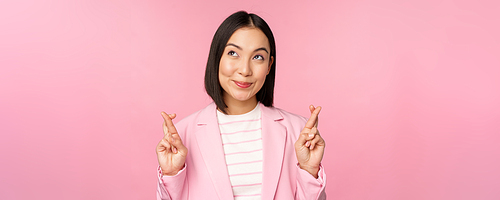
310	146
170	151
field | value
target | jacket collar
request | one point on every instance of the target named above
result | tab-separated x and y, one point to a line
211	112
210	144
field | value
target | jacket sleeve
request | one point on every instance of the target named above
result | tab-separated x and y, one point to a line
172	187
310	188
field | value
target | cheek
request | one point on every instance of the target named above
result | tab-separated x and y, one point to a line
225	68
262	72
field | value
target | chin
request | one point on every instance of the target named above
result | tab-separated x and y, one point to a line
242	97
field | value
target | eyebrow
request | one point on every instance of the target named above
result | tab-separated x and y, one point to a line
238	47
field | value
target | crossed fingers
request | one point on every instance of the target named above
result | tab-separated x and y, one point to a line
169	129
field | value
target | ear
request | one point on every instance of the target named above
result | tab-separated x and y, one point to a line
270	64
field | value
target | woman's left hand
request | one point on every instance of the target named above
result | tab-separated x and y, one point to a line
310	146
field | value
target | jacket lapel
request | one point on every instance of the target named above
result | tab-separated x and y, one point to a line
210	144
273	142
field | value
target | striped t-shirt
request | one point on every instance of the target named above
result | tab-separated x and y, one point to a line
242	141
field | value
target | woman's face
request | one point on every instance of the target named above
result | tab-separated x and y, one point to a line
244	65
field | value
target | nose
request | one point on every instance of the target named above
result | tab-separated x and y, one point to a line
245	68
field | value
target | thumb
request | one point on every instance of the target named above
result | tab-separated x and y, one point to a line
301	141
177	143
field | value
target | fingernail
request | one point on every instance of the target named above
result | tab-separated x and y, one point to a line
311	135
174	150
308	143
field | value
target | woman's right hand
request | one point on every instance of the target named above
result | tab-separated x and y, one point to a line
170	151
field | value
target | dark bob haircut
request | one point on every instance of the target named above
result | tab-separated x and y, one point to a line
234	22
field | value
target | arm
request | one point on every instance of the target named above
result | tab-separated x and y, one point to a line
171	154
172	187
309	187
309	149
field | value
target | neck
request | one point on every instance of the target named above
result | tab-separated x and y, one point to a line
235	107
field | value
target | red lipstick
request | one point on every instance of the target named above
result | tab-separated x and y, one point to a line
242	84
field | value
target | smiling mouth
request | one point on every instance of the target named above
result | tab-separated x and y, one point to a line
243	84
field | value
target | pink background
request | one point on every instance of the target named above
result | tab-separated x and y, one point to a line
410	91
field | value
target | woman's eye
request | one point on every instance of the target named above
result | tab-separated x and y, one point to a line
258	57
232	53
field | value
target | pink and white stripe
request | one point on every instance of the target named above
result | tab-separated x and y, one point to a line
242	142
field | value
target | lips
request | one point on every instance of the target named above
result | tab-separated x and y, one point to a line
243	84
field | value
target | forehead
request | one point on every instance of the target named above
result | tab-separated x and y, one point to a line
249	38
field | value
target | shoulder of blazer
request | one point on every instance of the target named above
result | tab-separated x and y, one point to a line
293	122
208	115
199	117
